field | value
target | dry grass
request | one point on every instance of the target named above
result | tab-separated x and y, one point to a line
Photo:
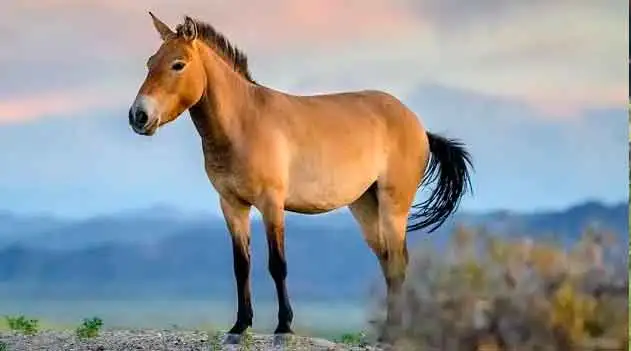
492	294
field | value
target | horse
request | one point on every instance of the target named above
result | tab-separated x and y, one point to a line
310	154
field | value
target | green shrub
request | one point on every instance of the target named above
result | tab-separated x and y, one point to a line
22	325
354	339
215	341
247	341
89	328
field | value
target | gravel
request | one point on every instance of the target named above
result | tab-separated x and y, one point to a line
162	340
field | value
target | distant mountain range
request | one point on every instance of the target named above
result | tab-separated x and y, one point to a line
159	252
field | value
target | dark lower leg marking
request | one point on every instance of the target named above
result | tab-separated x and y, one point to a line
241	265
278	270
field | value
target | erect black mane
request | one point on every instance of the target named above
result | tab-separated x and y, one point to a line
218	42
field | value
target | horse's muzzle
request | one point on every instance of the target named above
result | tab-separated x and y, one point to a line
139	121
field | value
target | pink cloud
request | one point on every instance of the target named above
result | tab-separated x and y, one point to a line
274	22
58	103
573	104
324	21
69	43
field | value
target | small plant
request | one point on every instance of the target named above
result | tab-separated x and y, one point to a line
4	346
23	325
246	343
215	341
355	339
89	328
292	342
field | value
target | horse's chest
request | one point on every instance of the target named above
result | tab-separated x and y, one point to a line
228	180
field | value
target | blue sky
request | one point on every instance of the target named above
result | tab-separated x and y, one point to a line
537	91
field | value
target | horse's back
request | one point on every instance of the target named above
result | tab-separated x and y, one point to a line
380	119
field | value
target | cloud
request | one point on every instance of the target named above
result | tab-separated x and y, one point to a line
58	103
561	57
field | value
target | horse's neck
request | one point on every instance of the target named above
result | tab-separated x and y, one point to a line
217	115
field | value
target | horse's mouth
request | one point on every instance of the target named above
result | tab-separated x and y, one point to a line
148	132
149	129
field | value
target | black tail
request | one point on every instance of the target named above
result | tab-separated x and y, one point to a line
449	164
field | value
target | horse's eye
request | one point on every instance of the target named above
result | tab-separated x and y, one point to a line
178	66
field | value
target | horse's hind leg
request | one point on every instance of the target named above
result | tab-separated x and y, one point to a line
393	216
383	223
366	213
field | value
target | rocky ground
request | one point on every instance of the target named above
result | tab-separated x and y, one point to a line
159	340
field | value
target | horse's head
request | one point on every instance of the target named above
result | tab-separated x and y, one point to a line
175	80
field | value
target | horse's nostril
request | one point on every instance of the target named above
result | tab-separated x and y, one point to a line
141	118
131	117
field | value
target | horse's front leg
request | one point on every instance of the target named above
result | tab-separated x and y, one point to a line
274	218
237	217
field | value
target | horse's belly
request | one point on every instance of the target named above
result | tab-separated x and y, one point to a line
308	209
314	202
319	192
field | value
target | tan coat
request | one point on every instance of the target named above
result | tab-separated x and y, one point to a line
307	154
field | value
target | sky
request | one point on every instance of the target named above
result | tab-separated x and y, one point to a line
536	89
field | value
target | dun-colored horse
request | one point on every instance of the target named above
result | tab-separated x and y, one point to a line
278	152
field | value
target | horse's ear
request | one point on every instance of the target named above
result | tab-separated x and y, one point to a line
162	28
189	29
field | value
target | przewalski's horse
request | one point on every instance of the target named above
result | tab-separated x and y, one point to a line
278	152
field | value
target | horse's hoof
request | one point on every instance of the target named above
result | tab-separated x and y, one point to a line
281	330
232	339
281	339
385	339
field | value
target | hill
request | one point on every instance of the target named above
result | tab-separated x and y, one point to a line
161	253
